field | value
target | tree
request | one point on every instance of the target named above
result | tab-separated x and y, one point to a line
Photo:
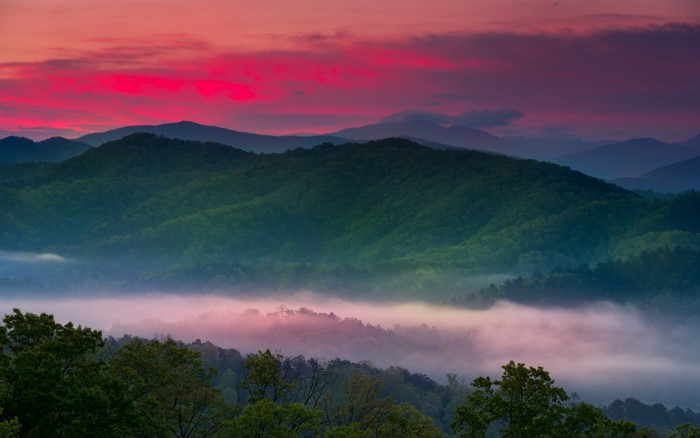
363	412
269	412
686	430
9	428
171	387
265	418
582	420
525	402
52	383
263	378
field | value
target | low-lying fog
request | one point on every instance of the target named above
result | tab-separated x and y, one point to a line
601	351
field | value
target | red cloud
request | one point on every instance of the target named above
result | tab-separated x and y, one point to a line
584	80
140	84
238	92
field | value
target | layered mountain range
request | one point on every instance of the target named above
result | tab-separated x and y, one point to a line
384	215
634	164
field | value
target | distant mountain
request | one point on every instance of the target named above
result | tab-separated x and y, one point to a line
24	150
194	131
436	135
389	215
629	158
455	135
692	143
676	177
546	148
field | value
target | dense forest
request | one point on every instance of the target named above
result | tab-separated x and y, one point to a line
63	380
666	279
386	219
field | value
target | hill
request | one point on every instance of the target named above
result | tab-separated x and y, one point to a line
692	143
24	150
430	133
194	131
455	135
629	158
676	177
389	215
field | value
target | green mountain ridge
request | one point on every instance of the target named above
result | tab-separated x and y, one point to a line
23	150
394	213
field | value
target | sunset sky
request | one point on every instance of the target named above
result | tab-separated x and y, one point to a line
595	69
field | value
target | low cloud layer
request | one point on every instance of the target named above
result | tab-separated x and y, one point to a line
601	351
472	119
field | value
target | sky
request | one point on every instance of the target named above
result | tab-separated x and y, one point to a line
596	69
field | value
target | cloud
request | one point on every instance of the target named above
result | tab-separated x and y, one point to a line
488	118
418	116
31	257
602	351
472	119
630	79
459	97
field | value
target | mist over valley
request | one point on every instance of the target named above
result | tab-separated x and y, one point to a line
601	351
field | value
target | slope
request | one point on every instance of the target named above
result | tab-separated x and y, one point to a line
384	210
629	158
676	177
24	150
456	135
193	131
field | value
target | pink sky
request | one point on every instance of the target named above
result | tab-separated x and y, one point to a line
594	69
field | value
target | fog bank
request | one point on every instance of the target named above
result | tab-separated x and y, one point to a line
601	351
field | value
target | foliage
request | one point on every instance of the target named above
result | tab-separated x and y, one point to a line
53	384
61	380
389	215
361	410
263	379
686	430
525	402
656	415
171	388
9	428
265	418
668	278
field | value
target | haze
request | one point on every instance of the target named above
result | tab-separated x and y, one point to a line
601	351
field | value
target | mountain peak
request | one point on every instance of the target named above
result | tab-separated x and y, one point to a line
15	149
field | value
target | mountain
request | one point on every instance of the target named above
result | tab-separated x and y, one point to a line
23	150
194	131
629	158
676	177
435	135
455	135
691	143
389	215
546	148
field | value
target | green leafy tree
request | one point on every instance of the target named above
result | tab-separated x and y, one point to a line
263	378
525	399
686	430
362	411
265	418
583	420
404	420
52	383
171	387
9	428
525	402
268	412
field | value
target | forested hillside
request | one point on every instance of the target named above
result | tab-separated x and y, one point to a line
387	215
